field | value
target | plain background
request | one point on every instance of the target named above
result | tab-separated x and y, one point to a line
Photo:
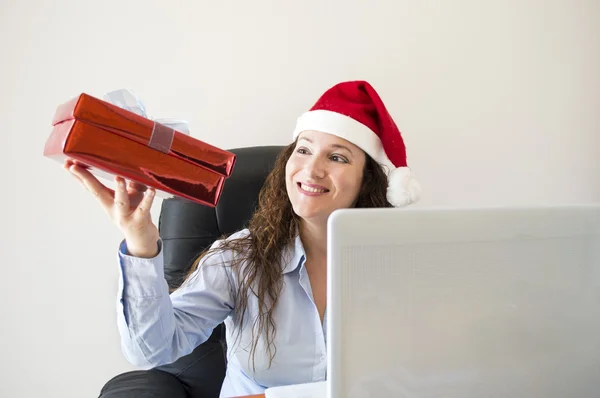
497	100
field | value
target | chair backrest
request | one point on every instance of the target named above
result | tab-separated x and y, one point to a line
187	228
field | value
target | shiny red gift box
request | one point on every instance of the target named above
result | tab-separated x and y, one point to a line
109	140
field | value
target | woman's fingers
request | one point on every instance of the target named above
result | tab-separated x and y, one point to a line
143	209
68	168
133	186
91	183
121	198
128	206
136	193
128	196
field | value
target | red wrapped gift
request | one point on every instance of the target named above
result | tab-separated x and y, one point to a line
109	140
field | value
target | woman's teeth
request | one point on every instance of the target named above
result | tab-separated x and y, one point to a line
311	189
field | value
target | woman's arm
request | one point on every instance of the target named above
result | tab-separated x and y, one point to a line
157	328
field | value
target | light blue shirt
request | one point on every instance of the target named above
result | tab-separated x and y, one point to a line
157	328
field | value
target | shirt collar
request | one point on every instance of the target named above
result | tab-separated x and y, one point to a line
293	255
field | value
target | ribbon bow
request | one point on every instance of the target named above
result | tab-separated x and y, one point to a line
127	100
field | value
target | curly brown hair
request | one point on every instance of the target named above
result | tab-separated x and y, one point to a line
272	227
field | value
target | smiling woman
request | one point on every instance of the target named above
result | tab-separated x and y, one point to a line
268	282
324	173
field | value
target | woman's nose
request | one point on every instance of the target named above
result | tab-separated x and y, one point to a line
315	168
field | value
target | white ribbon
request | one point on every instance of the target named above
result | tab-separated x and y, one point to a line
127	100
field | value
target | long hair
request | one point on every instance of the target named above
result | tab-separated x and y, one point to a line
273	226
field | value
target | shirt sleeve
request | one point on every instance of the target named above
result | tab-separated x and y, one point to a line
156	327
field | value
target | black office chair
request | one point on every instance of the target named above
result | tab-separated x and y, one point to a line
187	229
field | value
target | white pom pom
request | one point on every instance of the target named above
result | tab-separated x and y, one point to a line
403	189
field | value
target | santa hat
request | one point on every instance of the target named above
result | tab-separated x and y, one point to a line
355	112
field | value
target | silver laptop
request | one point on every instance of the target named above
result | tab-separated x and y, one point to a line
492	302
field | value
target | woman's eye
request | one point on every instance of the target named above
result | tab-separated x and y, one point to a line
337	158
302	151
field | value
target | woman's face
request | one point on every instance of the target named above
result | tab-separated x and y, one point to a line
323	174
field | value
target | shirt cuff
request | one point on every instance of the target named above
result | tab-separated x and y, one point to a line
142	277
123	248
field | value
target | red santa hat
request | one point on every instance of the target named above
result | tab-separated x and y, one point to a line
354	111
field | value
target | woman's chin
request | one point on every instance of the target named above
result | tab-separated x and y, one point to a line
311	213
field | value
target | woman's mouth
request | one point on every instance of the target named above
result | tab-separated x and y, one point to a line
312	190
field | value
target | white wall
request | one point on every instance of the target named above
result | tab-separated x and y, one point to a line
498	102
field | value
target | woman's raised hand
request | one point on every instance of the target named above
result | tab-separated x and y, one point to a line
128	206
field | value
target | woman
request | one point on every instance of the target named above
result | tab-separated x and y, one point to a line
266	282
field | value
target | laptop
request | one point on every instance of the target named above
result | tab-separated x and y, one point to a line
462	302
489	302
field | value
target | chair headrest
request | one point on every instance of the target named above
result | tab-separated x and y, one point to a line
187	228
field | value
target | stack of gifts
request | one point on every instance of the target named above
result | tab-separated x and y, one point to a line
114	136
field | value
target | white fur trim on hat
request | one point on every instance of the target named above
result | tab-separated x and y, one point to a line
344	127
403	188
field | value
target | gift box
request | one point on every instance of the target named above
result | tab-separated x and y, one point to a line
118	138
